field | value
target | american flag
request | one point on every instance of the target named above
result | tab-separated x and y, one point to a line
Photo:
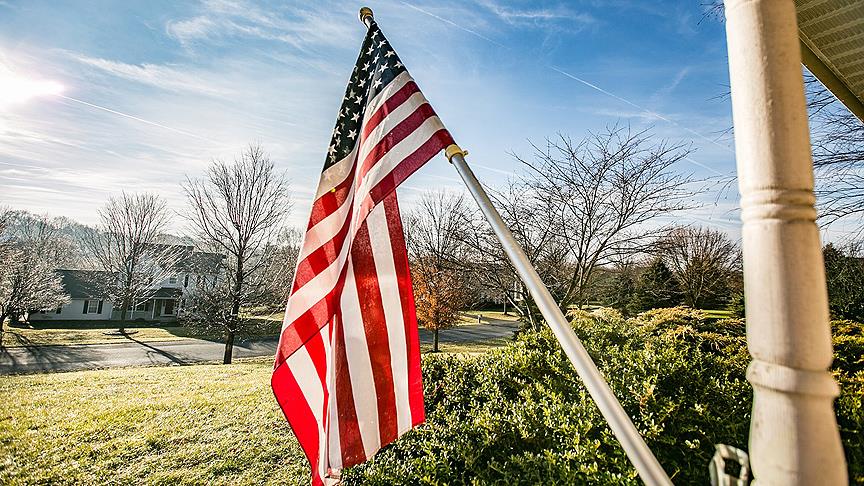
347	372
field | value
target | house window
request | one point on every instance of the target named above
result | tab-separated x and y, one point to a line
59	309
186	280
172	279
92	307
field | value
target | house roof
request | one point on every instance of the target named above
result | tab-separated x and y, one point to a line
167	292
832	47
84	284
186	259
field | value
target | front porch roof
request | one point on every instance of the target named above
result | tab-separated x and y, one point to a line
832	47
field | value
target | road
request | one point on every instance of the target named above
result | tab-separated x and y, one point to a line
37	359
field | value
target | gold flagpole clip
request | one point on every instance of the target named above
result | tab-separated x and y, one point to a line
452	150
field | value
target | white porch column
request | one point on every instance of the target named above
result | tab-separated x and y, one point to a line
794	438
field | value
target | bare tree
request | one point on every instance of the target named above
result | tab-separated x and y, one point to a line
28	281
125	245
837	141
532	224
238	209
704	262
280	263
435	232
583	205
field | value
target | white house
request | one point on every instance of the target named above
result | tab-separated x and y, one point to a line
88	302
163	301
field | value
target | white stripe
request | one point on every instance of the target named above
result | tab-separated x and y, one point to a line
323	458
335	174
392	119
315	289
334	450
382	252
360	366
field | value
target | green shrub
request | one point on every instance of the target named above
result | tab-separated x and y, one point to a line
520	414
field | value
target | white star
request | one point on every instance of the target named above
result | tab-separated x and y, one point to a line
351	94
382	68
389	53
356	116
398	64
375	59
359	99
376	83
362	83
371	48
352	134
366	67
332	150
381	44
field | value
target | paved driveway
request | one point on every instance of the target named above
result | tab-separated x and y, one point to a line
37	359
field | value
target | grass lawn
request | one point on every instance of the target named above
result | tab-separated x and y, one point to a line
202	424
206	424
470	316
469	348
43	334
41	337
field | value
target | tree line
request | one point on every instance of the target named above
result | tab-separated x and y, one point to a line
596	217
237	211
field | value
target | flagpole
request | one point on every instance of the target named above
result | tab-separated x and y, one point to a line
634	446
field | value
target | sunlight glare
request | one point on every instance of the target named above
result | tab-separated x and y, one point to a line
16	89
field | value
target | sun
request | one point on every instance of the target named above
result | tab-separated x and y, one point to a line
16	89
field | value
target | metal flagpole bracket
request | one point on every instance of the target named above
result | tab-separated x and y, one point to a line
628	436
452	150
366	13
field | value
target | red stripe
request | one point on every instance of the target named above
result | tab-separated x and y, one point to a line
350	441
391	104
299	415
404	128
409	316
304	328
331	200
317	261
375	326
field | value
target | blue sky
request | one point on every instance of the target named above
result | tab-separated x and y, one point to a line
163	87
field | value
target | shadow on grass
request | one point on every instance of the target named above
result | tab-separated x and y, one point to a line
35	358
173	358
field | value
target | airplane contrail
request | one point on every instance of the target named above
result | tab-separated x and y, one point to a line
132	117
454	24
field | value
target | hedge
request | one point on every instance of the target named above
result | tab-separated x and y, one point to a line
520	414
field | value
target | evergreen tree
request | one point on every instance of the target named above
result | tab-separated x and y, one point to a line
657	287
623	292
844	273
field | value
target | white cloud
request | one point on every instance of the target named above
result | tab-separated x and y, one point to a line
221	19
166	77
540	16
